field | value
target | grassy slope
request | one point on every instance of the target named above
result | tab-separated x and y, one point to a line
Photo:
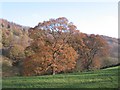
107	78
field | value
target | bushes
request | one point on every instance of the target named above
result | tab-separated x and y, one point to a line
108	61
7	68
16	52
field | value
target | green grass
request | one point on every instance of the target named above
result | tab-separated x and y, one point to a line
106	78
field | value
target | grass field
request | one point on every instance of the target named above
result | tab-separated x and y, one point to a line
106	78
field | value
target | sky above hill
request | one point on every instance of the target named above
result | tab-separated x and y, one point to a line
90	17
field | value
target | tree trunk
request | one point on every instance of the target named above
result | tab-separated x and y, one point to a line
53	72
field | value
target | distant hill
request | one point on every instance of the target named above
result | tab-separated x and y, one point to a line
11	34
114	45
11	25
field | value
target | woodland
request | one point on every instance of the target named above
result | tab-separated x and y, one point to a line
53	47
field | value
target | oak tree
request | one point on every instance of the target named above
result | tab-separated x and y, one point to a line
51	37
94	48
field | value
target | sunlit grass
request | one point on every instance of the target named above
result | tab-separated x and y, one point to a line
106	78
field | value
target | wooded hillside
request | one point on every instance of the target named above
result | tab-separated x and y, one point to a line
54	46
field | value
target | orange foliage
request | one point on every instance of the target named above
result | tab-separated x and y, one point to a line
43	62
50	48
56	46
94	47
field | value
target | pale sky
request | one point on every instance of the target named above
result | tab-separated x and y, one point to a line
90	17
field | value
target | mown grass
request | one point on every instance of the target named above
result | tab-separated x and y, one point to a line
106	78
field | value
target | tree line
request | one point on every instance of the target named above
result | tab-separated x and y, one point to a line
57	46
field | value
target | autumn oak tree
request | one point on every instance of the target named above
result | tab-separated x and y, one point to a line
50	38
42	62
57	46
90	48
93	49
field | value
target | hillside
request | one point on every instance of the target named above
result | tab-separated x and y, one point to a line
11	25
114	50
114	45
106	78
13	34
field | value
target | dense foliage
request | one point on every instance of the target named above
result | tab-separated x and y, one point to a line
56	46
51	47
